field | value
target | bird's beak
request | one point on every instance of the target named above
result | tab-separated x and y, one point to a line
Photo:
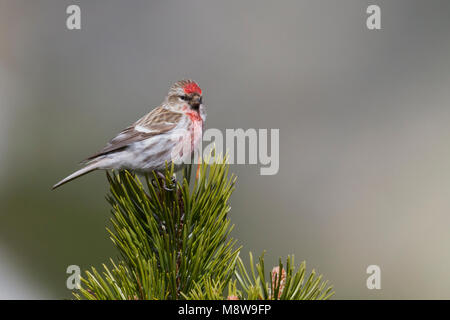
196	101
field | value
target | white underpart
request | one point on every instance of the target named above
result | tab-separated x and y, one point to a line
154	152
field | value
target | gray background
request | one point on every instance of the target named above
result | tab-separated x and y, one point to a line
363	116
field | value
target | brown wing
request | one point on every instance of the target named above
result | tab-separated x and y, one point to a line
158	121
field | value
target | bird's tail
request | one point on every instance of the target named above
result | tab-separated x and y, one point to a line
76	174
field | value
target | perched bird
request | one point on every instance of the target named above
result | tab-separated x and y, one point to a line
161	136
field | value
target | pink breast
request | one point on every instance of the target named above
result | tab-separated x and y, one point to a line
196	127
194	116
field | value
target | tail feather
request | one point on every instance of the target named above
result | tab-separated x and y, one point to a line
76	174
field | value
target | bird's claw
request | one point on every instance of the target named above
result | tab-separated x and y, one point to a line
162	179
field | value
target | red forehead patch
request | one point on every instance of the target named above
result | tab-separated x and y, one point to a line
192	87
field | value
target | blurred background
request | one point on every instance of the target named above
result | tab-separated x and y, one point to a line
363	116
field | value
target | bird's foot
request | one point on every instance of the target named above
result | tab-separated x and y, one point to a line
162	179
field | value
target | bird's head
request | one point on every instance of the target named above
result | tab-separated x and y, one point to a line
186	92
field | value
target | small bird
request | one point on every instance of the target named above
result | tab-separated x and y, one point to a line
158	138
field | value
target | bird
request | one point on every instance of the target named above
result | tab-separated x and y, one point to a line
170	133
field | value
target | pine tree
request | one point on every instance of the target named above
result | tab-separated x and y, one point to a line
174	243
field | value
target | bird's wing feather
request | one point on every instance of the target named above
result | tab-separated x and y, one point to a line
159	120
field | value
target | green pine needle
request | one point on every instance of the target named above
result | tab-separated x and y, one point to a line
174	242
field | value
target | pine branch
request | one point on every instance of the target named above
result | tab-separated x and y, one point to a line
174	243
285	283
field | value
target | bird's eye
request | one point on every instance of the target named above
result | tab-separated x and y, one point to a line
185	98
